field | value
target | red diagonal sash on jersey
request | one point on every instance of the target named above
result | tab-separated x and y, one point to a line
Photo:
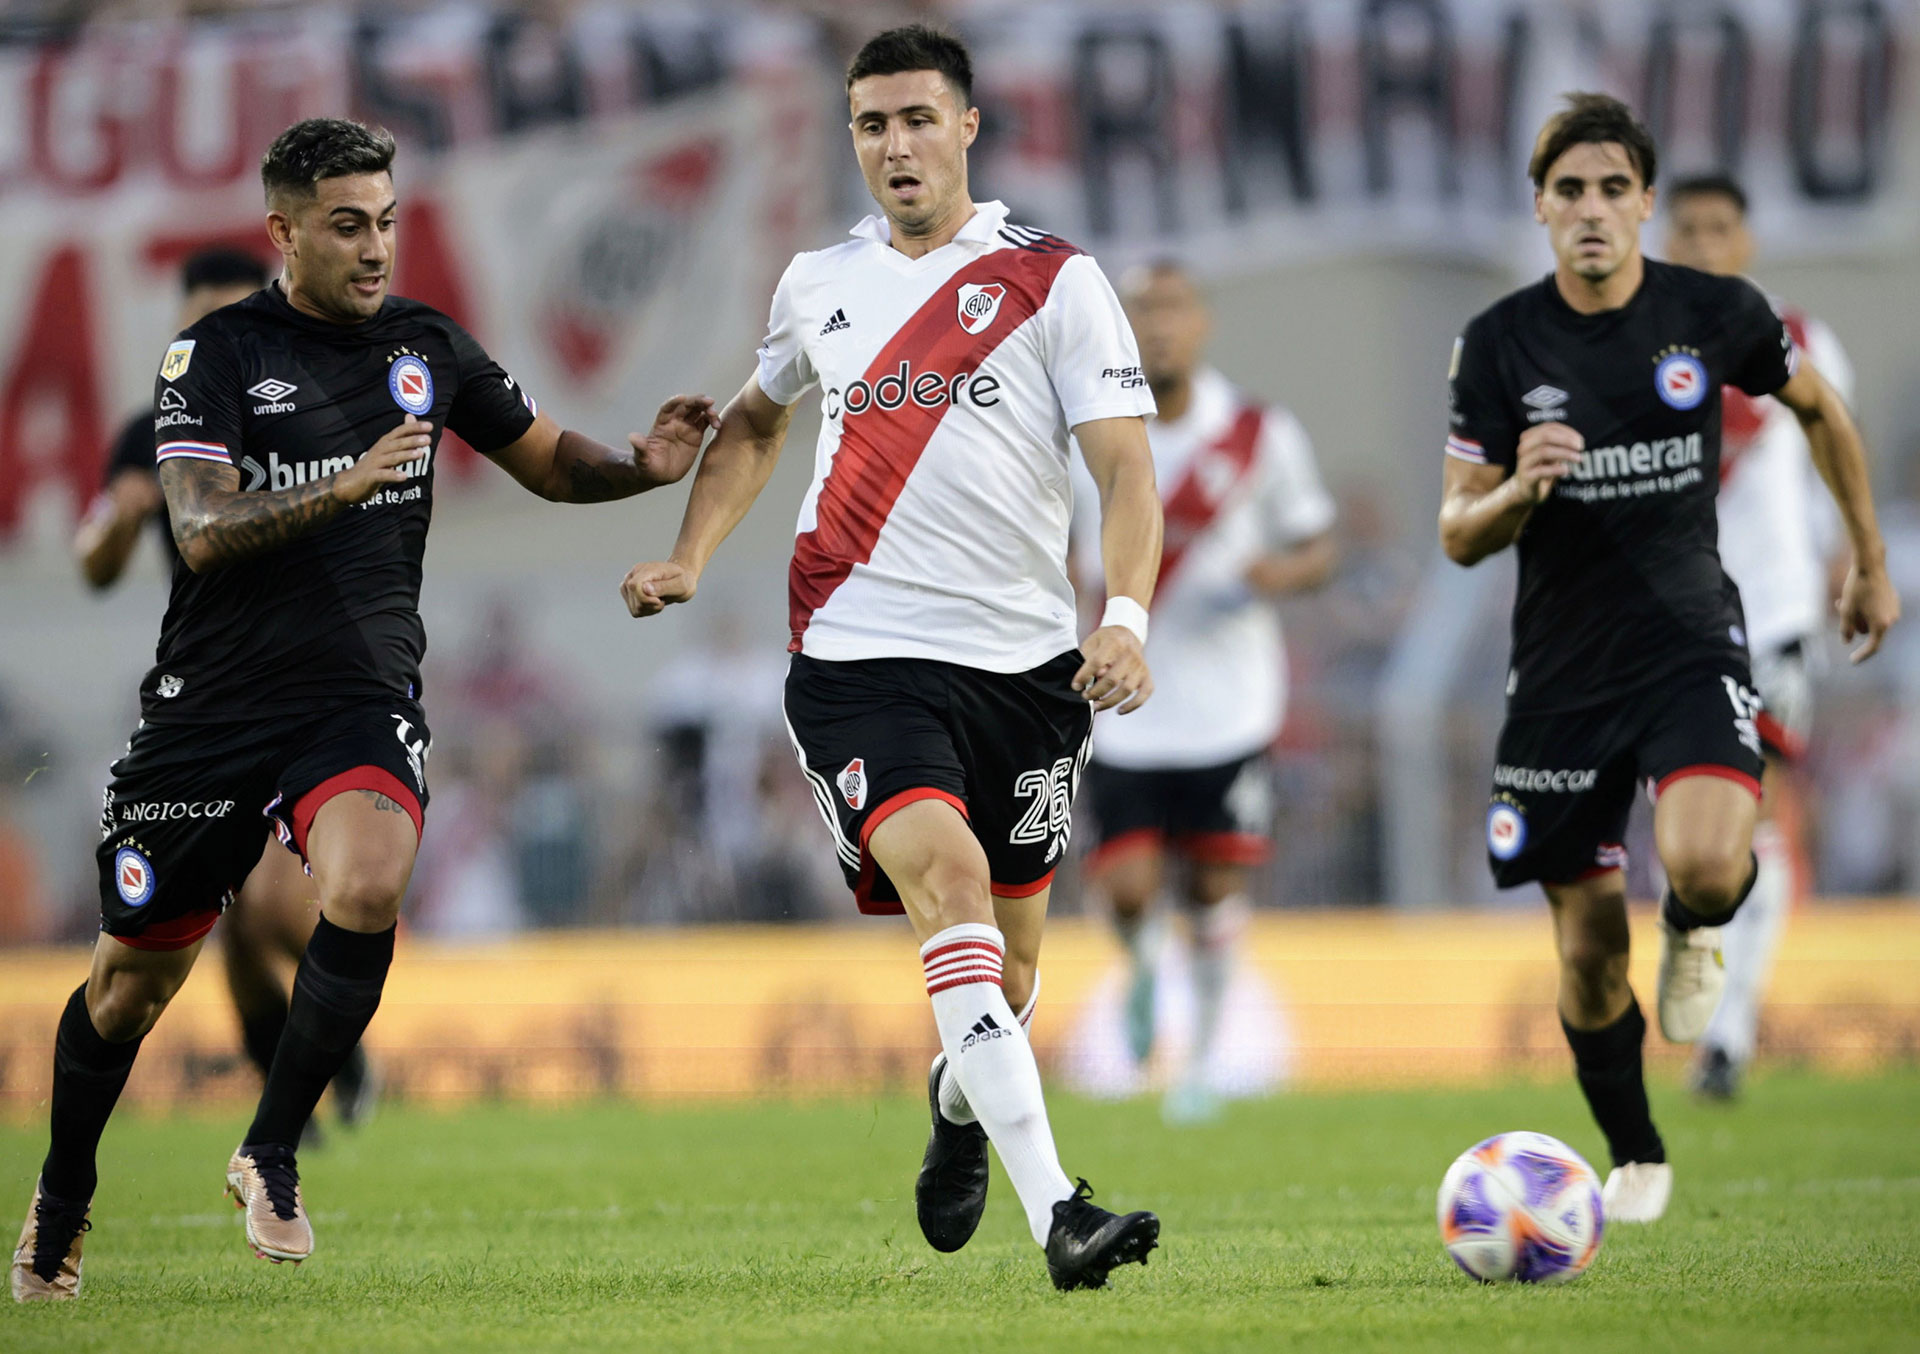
1742	416
880	447
1212	474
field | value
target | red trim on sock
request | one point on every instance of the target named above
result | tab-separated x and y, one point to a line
176	934
1707	769
1225	848
965	978
375	778
956	946
1045	881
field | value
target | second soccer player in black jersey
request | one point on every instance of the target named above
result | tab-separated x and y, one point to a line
1586	431
296	434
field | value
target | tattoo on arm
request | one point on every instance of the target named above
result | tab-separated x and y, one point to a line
381	803
215	524
595	473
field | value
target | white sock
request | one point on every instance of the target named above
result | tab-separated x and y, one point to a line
953	1101
1747	944
988	1054
1215	929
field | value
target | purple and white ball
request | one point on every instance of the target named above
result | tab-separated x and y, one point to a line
1521	1206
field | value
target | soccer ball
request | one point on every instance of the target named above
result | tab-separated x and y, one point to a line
1521	1206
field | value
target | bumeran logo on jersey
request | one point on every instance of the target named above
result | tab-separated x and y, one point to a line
1662	466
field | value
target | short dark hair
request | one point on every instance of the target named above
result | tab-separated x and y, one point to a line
323	148
1593	119
1709	185
916	47
222	267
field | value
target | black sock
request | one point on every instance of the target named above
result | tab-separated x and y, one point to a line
260	1031
335	994
1607	1063
88	1075
1683	918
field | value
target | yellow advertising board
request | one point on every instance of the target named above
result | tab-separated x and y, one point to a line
1361	999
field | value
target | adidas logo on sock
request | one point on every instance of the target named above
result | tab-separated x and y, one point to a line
983	1029
835	323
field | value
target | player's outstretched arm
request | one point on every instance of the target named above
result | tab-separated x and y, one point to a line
563	466
1121	463
215	524
1483	507
107	534
1869	604
736	467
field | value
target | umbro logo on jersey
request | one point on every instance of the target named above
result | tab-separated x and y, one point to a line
979	303
835	323
985	1028
1546	402
275	393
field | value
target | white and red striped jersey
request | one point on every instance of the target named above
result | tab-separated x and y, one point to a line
1774	512
936	525
1237	481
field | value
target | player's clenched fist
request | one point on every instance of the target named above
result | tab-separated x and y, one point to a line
1115	672
382	463
668	451
651	588
1545	453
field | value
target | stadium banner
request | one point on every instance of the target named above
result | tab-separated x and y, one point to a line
607	196
1325	1000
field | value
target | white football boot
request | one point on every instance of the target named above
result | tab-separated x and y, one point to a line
1692	977
1637	1192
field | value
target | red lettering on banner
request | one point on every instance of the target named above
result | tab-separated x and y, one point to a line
53	367
52	71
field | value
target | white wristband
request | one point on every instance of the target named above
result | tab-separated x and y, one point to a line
1126	612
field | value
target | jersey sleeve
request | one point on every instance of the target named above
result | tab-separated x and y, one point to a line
196	400
1761	354
784	372
1295	504
1480	428
489	411
1090	353
132	450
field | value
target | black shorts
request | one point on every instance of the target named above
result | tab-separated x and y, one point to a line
1006	749
190	805
1216	815
1564	782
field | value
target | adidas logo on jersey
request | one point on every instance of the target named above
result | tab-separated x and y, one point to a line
835	323
984	1028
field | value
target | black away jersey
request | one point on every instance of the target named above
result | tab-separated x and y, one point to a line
285	398
1620	577
133	450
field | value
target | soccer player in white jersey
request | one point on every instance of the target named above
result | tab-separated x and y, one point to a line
1770	534
1185	782
936	699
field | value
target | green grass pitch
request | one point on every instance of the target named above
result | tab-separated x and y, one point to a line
1305	1222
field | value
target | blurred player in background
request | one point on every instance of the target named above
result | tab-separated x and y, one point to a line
1770	542
1586	432
936	698
296	434
1184	783
272	918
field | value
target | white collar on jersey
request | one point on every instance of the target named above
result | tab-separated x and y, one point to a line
987	217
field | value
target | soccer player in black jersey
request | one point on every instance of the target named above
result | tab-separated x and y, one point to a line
296	437
1586	431
272	917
